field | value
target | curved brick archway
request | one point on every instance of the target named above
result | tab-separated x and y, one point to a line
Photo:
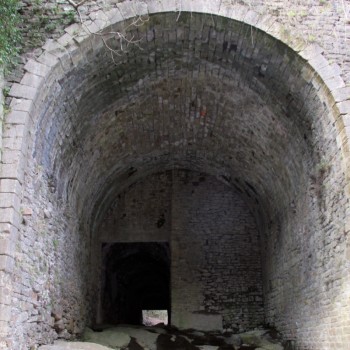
230	99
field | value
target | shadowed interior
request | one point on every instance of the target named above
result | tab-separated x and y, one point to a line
137	277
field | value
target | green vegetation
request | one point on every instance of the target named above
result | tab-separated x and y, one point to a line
311	38
55	244
10	37
69	17
43	20
323	167
303	13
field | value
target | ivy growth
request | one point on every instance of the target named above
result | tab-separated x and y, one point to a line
10	37
41	20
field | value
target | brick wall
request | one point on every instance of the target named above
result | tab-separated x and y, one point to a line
215	247
216	258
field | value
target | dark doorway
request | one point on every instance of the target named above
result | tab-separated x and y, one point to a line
136	278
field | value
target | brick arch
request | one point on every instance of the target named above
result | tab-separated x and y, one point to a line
60	56
45	77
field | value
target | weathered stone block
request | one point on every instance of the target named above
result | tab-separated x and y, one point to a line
252	18
319	62
48	59
335	83
65	40
37	68
13	143
311	51
17	117
21	105
54	48
9	216
113	15
7	229
23	91
343	107
6	264
12	171
10	200
7	247
10	186
32	80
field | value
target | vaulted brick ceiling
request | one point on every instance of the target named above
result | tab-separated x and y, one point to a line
202	93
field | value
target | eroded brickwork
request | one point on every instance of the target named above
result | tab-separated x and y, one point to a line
48	295
215	246
215	254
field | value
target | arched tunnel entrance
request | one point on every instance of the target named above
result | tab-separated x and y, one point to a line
136	278
210	135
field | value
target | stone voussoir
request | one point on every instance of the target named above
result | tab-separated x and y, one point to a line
23	91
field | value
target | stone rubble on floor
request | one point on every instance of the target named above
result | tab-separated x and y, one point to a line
63	345
126	337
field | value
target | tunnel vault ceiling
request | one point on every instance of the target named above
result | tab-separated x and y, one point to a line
203	93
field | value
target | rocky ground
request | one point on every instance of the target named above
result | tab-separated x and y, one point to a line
166	338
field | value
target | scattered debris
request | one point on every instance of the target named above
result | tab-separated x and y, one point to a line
125	337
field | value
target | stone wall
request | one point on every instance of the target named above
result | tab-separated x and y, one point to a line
313	21
142	212
215	247
239	96
50	273
216	258
2	104
306	277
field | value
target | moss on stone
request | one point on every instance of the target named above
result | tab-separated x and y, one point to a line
10	38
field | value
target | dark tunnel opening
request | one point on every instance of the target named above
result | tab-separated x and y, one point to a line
136	278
